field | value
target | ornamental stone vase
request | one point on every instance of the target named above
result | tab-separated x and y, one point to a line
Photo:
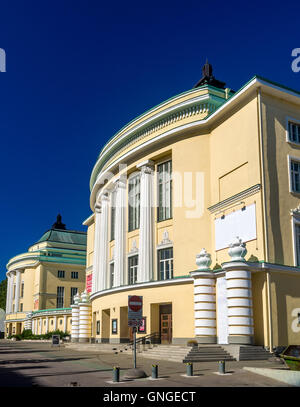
203	260
237	250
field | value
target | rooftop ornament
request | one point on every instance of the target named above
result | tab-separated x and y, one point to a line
58	224
237	250
203	260
208	78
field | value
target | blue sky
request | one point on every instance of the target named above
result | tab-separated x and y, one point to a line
77	71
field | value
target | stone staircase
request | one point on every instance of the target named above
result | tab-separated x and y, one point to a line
207	353
254	353
172	353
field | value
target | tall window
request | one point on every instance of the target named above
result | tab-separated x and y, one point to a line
74	274
165	263
132	269
21	307
60	274
112	274
295	176
22	290
60	297
294	132
74	291
113	215
165	191
134	203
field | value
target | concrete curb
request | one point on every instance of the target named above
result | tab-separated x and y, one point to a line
290	377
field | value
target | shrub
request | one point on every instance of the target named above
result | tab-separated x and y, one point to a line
26	334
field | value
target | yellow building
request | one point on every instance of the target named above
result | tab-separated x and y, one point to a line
209	168
42	282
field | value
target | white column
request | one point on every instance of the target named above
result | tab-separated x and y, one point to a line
145	269
47	324
9	282
75	319
55	323
97	239
40	326
120	233
85	318
17	297
204	300
239	295
33	326
103	252
11	293
65	323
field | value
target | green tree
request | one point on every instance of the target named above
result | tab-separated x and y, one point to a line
3	288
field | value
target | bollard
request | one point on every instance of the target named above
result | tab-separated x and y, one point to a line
222	366
116	374
189	369
154	371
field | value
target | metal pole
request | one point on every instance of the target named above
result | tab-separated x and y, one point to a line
222	366
134	347
154	371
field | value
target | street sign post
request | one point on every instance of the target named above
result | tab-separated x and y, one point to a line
135	315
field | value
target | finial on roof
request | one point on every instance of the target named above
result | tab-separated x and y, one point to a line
208	78
58	224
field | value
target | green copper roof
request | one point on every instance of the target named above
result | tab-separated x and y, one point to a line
64	236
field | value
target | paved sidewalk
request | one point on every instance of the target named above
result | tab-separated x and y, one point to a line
38	364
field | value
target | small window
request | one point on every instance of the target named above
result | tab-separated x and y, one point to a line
294	132
114	326
51	321
165	264
295	176
60	274
22	290
60	322
21	307
98	328
112	274
132	269
74	274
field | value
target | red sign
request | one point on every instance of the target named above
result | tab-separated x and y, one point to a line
135	303
89	283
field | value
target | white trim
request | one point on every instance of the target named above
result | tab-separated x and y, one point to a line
295	222
289	159
88	221
293	120
148	284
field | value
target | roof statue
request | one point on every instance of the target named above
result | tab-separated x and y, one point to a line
208	78
58	224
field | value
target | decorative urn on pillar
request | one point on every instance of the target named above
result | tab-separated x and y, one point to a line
237	250
203	260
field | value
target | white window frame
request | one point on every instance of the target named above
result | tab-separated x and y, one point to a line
164	247
62	296
289	119
137	267
77	274
166	198
295	222
291	158
135	209
72	296
111	283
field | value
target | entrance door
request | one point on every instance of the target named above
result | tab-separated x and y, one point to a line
166	328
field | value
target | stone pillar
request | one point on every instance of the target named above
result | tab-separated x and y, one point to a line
75	319
8	299
103	252
120	233
239	295
33	326
204	300
40	326
145	268
17	296
85	318
11	292
65	323
47	325
97	239
55	323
